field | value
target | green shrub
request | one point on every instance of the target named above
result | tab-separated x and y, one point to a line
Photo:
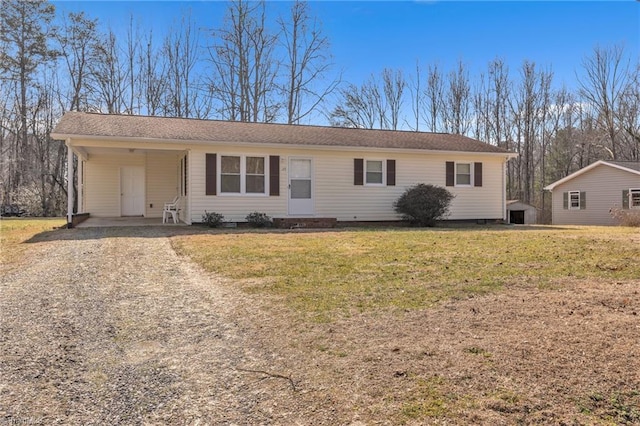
212	219
258	220
424	204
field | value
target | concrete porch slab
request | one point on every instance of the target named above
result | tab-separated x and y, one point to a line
101	222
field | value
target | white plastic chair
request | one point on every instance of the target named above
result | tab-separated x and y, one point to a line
171	209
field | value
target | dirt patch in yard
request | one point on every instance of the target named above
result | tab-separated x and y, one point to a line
563	355
110	326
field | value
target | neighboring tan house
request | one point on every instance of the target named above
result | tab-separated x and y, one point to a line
587	196
132	165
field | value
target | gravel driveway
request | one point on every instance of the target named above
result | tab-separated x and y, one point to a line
110	326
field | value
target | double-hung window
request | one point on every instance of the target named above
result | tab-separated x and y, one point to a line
241	174
463	174
574	200
230	174
634	198
374	172
255	175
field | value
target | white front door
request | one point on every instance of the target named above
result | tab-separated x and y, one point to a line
132	191
300	186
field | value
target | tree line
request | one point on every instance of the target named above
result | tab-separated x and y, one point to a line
259	67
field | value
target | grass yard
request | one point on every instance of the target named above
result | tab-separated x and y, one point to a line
468	326
14	231
329	274
496	325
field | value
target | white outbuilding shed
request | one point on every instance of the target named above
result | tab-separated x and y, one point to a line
519	213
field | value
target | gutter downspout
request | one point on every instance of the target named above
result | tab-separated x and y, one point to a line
70	193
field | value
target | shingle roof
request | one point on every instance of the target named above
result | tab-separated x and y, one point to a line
628	166
632	165
79	124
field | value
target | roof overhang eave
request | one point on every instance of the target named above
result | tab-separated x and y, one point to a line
565	179
128	139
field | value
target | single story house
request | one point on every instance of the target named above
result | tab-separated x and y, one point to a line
131	165
519	213
587	196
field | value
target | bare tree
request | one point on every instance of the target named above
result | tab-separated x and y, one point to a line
25	40
456	110
307	63
108	76
480	99
434	93
628	110
76	38
153	76
46	155
131	54
359	107
5	141
393	84
374	104
244	67
181	53
417	101
606	78
528	107
499	91
563	135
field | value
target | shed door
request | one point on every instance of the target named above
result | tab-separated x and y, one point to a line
132	191
516	217
300	186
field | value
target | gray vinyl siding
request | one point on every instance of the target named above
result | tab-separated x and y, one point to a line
603	186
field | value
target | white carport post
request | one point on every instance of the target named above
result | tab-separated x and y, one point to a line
80	185
505	219
70	193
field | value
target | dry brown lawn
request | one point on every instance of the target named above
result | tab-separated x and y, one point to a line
110	326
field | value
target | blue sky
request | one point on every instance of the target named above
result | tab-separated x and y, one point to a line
367	36
370	35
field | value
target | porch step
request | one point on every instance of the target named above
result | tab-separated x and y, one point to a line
305	222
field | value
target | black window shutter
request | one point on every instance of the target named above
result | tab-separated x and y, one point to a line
477	174
450	173
358	171
274	175
211	182
583	200
391	172
565	200
625	199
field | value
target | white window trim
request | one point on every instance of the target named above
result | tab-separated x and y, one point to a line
631	190
569	206
455	174
384	172
243	176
